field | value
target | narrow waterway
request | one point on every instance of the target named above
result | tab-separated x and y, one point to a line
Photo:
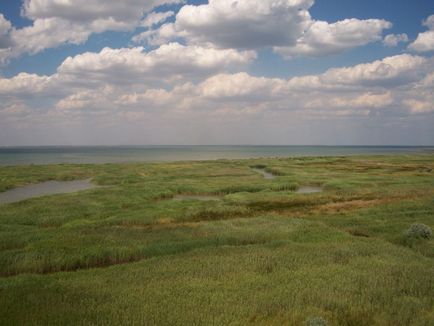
265	174
44	189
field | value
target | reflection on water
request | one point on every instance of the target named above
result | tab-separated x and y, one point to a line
44	189
308	190
265	174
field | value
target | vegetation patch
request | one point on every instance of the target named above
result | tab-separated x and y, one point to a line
263	254
419	230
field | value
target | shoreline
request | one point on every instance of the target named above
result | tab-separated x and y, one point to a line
118	155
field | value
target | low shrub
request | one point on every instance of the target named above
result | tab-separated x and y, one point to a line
316	321
419	230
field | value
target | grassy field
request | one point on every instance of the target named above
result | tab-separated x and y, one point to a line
126	253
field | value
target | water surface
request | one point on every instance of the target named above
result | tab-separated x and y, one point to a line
308	190
44	189
265	174
117	154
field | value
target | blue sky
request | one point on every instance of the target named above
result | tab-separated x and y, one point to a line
216	72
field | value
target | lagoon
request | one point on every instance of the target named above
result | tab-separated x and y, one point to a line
44	189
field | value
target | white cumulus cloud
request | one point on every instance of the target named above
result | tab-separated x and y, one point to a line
56	22
5	29
425	41
24	84
322	38
244	23
240	86
112	85
155	18
286	26
392	40
170	61
395	70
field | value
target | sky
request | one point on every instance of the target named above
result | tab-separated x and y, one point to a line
217	72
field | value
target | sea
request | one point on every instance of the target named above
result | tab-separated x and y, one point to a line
119	154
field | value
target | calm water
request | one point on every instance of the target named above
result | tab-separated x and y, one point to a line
44	189
265	174
54	155
308	190
300	190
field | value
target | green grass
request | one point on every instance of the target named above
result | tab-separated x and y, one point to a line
128	254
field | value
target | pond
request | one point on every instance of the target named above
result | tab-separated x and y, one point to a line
308	190
44	189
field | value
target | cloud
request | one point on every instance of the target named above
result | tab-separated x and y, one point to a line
5	29
339	91
88	11
88	99
113	85
248	24
425	41
322	38
392	40
286	26
366	100
429	22
421	97
359	89
155	18
420	106
5	39
47	33
57	22
240	86
170	61
96	92
164	34
390	71
125	68
24	85
195	80
14	109
148	99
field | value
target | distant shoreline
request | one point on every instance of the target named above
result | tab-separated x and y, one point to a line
173	153
219	145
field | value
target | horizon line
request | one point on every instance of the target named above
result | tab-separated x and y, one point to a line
215	145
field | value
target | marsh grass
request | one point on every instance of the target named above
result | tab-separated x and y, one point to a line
128	254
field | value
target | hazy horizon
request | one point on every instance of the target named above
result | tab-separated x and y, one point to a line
208	145
171	153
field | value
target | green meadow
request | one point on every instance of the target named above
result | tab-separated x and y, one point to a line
127	253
